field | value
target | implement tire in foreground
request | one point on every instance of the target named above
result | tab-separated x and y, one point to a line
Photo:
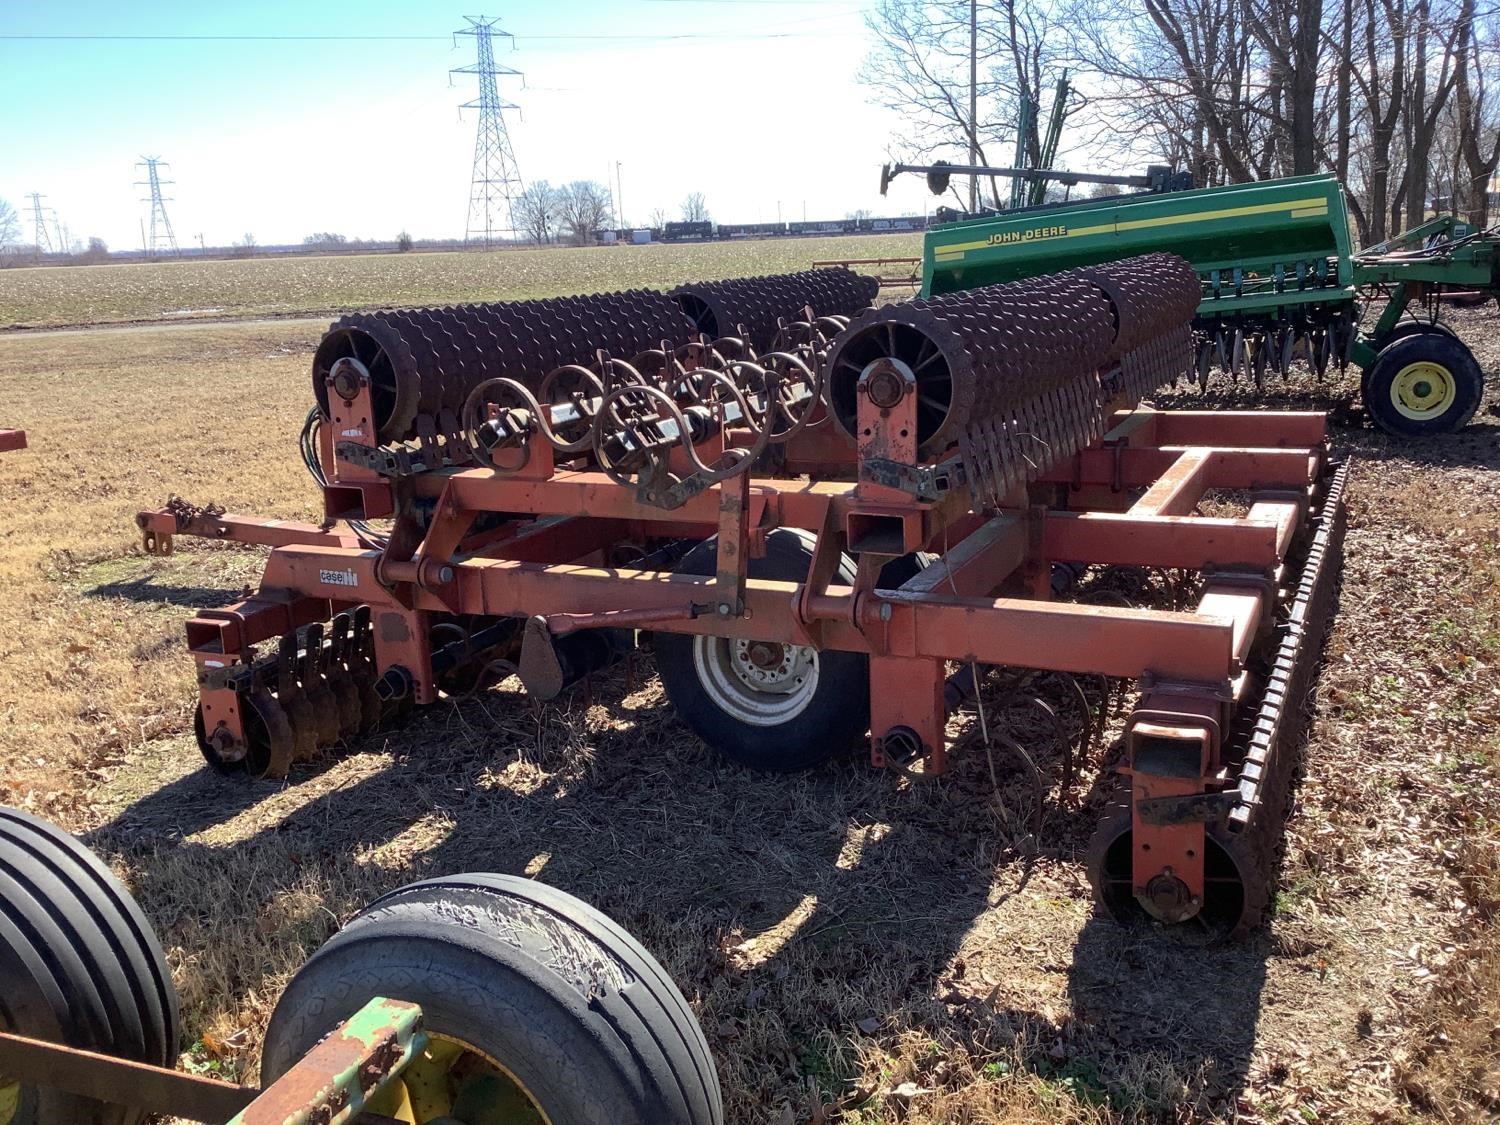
1423	383
79	965
776	707
538	1008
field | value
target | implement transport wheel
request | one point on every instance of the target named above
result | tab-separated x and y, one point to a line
1235	885
79	965
1416	328
538	1009
1423	383
767	705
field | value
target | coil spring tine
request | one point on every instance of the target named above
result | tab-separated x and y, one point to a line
1038	781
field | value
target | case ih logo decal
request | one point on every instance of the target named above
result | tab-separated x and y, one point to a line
338	578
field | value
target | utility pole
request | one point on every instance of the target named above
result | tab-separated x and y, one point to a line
161	226
973	101
40	238
496	182
619	197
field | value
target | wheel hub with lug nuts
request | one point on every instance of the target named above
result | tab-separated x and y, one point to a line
766	665
1423	389
764	683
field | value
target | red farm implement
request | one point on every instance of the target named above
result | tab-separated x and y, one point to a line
835	522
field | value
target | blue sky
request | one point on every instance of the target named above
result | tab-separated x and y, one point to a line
364	137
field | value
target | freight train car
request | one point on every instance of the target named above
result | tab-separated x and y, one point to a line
688	231
750	230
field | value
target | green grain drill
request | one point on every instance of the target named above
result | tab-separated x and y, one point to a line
1281	282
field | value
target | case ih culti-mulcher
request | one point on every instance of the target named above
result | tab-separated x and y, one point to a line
834	522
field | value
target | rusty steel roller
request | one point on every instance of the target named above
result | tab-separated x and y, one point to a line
1011	374
1152	294
1155	297
424	362
756	304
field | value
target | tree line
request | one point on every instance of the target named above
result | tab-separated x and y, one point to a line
1399	98
579	211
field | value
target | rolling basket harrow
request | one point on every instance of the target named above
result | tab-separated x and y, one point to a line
835	522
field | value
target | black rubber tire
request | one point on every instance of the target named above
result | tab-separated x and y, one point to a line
549	987
79	964
1431	347
836	718
1415	328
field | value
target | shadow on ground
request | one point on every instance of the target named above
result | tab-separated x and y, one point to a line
803	914
148	591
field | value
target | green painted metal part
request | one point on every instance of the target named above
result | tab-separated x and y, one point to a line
1237	237
334	1081
1266	251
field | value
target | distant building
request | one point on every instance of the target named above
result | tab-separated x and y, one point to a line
1443	204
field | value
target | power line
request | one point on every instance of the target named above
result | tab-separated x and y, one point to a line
231	38
39	221
666	36
798	3
161	226
496	181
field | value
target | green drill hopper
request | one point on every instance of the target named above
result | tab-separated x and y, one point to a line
1281	282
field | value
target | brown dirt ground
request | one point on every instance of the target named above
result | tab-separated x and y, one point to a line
840	934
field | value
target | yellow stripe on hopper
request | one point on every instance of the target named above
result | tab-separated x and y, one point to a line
1297	209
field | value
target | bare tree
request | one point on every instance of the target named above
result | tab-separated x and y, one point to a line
584	209
658	218
1477	114
1201	55
1398	45
920	68
535	212
1435	21
1397	97
1239	90
695	208
1290	32
10	225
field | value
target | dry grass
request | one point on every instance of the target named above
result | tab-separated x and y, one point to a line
840	934
335	285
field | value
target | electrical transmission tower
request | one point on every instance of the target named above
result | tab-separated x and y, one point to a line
161	226
497	180
39	224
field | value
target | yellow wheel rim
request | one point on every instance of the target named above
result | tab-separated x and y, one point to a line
1423	390
454	1082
